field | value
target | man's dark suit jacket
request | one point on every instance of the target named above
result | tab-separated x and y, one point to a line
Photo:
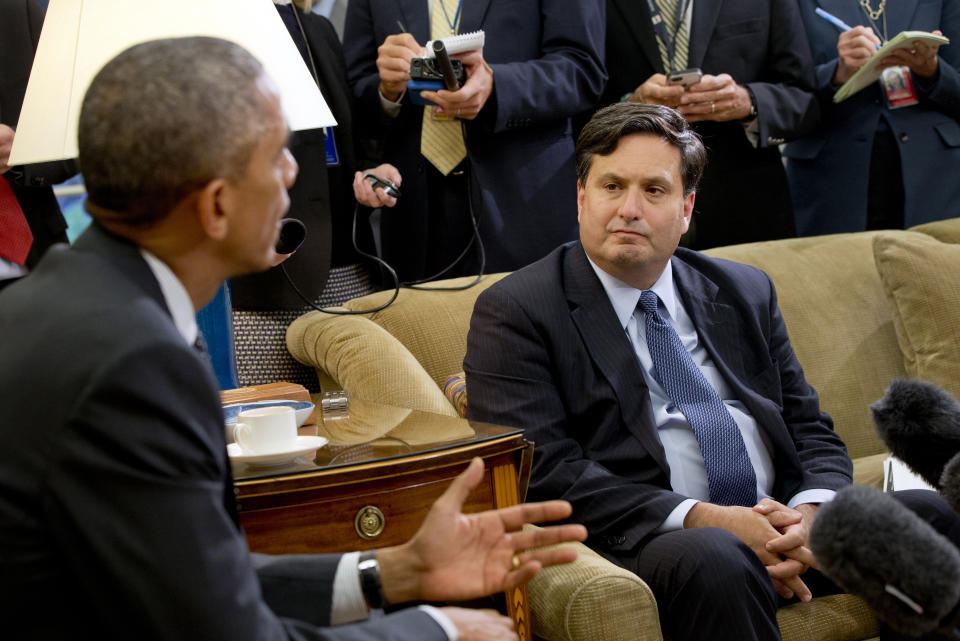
322	199
546	353
547	60
20	25
117	517
743	196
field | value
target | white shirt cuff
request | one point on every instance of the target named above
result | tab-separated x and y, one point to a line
348	603
674	520
442	620
390	107
752	129
812	496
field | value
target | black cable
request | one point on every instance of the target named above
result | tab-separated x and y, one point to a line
348	312
475	237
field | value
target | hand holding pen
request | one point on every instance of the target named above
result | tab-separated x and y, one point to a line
393	63
855	46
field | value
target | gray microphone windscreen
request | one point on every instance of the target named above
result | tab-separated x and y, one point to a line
875	547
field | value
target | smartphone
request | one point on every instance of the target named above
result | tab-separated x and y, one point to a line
389	188
686	77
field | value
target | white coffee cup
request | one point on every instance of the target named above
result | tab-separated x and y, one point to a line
267	430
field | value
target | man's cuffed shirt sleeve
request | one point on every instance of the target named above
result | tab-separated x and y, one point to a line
442	620
348	603
811	496
675	519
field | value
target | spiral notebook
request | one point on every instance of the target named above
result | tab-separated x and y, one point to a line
460	43
868	73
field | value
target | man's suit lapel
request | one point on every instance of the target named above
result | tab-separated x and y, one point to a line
414	17
704	19
474	12
717	323
899	16
719	327
636	14
610	349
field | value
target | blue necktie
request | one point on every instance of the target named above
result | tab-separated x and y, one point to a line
730	475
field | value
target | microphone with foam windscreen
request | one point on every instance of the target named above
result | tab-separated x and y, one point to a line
875	547
920	423
445	66
291	236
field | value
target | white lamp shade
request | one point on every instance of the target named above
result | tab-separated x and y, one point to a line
80	36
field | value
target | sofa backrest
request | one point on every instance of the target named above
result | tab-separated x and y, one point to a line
839	320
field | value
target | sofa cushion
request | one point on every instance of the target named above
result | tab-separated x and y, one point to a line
920	276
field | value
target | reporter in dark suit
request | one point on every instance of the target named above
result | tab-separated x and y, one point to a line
559	348
542	62
757	92
117	516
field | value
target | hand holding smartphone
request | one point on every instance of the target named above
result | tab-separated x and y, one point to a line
684	78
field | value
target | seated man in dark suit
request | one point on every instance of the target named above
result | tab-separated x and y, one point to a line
661	390
117	515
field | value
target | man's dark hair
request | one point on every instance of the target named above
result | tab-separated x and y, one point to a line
609	125
162	120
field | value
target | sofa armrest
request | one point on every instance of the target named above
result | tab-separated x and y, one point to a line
868	470
356	354
592	599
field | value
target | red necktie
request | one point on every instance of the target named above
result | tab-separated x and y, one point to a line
15	236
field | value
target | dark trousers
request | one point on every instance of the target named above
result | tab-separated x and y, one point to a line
709	584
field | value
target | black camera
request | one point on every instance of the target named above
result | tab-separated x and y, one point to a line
429	69
434	74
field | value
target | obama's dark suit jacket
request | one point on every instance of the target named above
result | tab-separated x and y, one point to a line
117	516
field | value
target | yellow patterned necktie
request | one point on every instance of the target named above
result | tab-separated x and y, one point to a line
681	41
441	141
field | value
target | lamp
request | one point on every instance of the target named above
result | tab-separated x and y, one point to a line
80	36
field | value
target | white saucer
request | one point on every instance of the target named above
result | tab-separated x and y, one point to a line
304	445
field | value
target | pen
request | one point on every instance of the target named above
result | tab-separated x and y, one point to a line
834	20
402	28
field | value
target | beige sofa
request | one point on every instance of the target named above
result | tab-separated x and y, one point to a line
861	309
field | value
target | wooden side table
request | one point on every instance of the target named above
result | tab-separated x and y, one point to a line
375	481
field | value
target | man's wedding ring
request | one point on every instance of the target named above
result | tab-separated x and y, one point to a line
713	107
516	561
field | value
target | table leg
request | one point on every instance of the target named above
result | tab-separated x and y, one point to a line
506	493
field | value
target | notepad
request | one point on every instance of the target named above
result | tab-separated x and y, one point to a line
460	43
868	73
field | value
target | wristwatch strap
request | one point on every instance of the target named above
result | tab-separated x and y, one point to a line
369	571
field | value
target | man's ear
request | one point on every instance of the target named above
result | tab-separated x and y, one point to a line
580	195
688	209
213	207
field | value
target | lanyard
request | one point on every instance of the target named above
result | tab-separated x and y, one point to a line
660	28
456	17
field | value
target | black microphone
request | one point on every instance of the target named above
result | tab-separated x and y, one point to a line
878	549
445	66
920	423
292	233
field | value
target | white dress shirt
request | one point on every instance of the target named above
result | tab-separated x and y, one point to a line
348	603
688	473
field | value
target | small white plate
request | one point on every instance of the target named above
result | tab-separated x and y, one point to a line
305	445
301	409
